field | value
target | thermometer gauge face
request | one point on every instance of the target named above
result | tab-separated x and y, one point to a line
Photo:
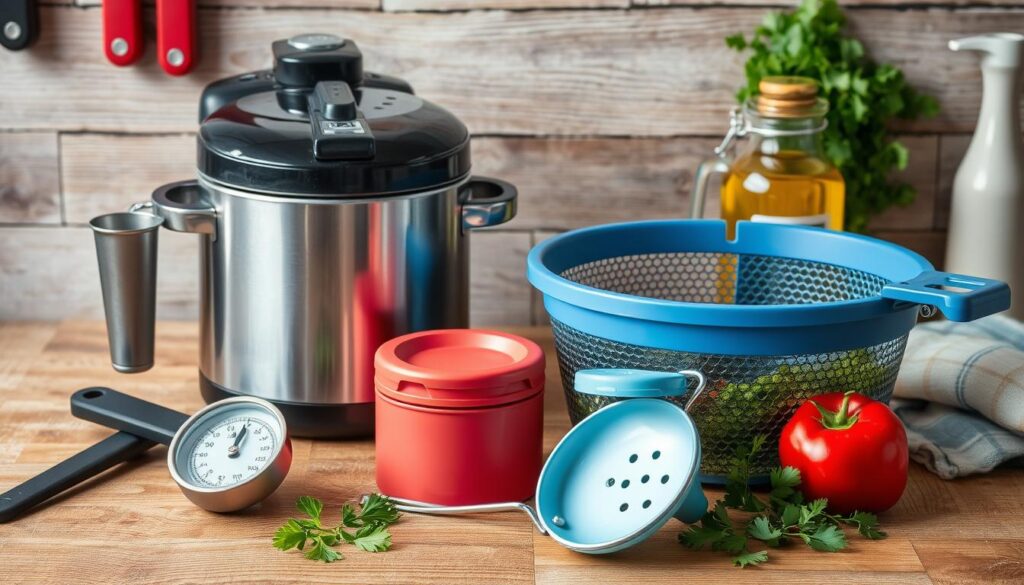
231	454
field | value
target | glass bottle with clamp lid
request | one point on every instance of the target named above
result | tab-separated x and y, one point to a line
781	175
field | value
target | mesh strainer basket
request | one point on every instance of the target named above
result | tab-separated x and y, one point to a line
771	318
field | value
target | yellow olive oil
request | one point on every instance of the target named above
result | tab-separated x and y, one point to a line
791	186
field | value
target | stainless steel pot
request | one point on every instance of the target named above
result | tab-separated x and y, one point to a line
297	294
300	287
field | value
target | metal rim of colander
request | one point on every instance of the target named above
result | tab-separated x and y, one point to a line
889	262
692	475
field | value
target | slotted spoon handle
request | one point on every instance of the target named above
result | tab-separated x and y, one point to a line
415	507
629	383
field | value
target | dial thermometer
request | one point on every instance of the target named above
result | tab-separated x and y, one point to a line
231	454
228	456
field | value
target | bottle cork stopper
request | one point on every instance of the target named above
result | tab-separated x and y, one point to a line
787	96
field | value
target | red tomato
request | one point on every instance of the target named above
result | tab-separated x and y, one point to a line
850	449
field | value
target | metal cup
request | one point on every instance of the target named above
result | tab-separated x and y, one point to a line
126	245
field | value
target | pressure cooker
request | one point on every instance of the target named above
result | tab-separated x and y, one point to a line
332	207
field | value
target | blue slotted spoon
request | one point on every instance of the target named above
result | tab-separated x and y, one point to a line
621	473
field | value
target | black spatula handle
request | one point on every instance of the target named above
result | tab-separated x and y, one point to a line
142	425
89	463
115	410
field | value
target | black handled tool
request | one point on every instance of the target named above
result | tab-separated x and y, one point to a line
128	414
117	448
19	23
151	424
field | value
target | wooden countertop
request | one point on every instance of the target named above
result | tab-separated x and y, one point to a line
132	525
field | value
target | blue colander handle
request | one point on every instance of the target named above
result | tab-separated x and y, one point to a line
959	297
627	383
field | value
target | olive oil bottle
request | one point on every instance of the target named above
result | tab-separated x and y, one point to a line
782	174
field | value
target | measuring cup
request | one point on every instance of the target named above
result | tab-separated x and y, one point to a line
619	475
126	245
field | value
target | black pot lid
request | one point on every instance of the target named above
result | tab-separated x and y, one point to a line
369	134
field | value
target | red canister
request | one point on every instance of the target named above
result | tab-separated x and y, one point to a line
460	416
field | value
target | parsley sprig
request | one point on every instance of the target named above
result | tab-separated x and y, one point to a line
780	518
367	528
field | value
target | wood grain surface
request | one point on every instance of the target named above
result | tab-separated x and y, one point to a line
651	72
103	173
133	525
29	183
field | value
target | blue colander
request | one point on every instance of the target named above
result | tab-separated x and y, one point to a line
773	317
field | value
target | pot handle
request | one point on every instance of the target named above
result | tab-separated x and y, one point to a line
626	383
487	202
959	297
185	209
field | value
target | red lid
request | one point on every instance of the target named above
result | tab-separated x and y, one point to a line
459	368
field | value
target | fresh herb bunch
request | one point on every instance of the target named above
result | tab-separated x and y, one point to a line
369	528
863	98
782	518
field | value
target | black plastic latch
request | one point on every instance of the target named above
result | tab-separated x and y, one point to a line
336	100
339	131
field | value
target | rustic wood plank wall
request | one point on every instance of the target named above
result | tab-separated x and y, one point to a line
599	110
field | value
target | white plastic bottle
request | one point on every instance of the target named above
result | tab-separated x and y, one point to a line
986	224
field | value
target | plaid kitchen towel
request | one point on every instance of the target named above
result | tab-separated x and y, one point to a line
960	394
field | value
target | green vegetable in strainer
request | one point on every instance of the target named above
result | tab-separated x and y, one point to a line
733	412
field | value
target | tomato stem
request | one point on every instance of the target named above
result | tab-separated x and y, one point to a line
843	415
840	419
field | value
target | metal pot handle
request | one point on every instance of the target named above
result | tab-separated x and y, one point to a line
487	202
126	248
184	208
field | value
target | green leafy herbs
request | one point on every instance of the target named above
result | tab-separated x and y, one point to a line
863	97
750	558
775	520
365	528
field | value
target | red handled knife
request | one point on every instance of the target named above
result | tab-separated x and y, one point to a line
122	31
176	35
